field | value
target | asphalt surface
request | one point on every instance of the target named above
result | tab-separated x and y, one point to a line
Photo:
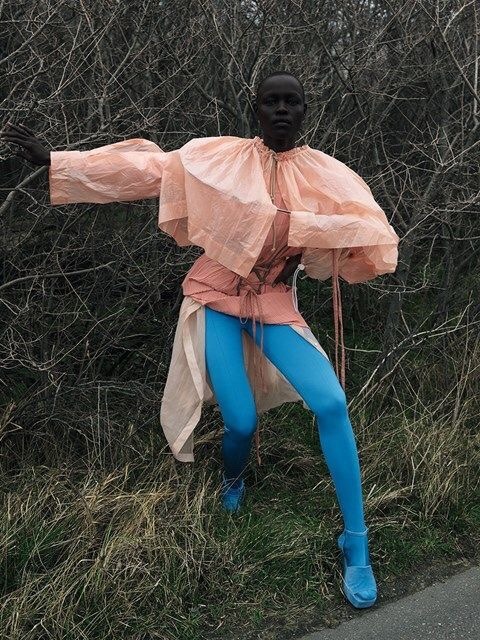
446	610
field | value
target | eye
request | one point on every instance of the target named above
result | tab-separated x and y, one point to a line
294	101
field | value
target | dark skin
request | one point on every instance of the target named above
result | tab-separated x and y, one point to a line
279	99
31	148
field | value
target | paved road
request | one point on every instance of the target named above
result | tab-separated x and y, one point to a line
447	610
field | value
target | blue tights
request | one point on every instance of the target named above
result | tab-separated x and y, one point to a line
312	376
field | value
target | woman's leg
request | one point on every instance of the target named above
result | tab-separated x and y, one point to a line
314	378
226	368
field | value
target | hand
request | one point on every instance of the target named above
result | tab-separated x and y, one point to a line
289	268
31	148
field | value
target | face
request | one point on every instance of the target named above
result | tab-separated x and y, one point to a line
280	107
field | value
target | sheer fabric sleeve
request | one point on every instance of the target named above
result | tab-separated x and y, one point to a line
368	244
127	170
336	210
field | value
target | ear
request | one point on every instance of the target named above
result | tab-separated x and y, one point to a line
304	108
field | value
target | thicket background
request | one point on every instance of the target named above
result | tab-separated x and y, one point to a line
103	534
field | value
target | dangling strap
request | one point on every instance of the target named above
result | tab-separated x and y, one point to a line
260	381
337	316
258	377
294	285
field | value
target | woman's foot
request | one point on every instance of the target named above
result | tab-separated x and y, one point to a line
233	492
358	580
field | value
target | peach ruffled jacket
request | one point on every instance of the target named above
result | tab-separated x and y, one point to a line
223	194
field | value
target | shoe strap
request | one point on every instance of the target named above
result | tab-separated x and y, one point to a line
364	541
356	533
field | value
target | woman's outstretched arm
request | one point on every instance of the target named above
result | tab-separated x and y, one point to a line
127	170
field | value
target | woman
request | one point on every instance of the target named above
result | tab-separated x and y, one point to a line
261	209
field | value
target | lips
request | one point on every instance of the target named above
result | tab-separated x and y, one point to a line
282	122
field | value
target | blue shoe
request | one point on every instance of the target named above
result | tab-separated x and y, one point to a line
359	584
232	497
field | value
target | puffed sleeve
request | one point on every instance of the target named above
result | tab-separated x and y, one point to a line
127	170
335	215
360	229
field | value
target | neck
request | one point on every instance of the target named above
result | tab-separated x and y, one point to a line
278	144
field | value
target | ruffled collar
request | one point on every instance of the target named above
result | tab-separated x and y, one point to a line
279	155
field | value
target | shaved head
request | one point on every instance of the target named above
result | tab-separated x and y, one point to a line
260	85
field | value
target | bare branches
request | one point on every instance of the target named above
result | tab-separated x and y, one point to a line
392	90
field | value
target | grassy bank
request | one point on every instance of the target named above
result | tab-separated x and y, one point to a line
104	535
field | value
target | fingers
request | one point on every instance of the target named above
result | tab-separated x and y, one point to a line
15	132
21	128
14	138
25	128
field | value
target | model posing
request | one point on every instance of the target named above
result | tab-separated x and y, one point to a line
262	209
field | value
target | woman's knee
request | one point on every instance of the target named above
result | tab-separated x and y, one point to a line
243	422
332	405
